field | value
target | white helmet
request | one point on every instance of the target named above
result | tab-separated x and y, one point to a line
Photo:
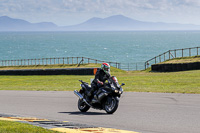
105	67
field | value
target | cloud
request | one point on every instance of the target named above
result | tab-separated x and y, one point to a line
72	11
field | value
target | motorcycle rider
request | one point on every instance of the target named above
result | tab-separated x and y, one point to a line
101	76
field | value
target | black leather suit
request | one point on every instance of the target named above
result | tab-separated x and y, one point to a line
99	76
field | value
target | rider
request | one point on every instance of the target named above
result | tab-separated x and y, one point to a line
101	76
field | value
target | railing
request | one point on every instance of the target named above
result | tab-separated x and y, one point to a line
55	61
186	52
132	66
70	61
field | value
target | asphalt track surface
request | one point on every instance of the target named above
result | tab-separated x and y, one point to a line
140	112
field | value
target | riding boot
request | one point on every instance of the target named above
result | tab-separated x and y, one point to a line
95	99
90	92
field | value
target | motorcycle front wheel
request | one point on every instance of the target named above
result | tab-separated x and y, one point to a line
111	105
82	106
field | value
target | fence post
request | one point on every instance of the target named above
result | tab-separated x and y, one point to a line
169	54
189	52
67	60
155	60
197	51
175	53
164	56
46	61
182	52
160	58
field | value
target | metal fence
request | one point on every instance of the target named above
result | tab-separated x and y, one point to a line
185	52
55	61
70	61
132	66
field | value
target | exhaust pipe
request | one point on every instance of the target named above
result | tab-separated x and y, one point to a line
81	97
78	95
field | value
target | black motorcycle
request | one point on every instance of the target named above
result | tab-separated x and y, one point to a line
107	96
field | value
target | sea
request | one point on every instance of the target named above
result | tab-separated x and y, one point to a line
114	46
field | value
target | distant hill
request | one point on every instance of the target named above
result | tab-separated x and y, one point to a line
113	23
11	24
120	22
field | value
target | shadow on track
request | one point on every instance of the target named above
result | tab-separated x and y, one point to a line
84	113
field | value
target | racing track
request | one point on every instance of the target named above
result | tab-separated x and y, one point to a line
141	112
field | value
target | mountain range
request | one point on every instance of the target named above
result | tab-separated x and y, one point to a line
112	23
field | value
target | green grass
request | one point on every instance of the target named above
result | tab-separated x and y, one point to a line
176	82
49	66
17	127
183	60
137	81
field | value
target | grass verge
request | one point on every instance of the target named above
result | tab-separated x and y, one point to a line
137	81
182	60
17	127
49	66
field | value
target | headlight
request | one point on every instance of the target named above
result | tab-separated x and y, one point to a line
116	91
120	92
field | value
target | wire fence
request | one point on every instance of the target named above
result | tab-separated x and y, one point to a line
70	61
185	52
132	66
194	51
53	61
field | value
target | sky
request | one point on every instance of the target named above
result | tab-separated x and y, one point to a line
71	12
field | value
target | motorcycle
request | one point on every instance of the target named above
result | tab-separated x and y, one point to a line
108	96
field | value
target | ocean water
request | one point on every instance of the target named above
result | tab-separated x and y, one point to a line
123	47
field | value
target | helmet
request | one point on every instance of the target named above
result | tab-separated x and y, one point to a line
105	67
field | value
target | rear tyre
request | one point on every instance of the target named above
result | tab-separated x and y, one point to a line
82	106
111	105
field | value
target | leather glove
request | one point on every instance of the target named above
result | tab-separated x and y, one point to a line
99	82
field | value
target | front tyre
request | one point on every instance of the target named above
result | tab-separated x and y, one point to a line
82	106
111	105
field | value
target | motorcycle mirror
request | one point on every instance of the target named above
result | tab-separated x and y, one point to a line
122	84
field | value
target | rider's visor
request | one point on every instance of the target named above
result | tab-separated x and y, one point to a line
107	69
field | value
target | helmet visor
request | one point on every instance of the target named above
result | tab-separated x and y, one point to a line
107	69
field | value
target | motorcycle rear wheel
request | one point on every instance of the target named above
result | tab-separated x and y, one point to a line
82	106
111	105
